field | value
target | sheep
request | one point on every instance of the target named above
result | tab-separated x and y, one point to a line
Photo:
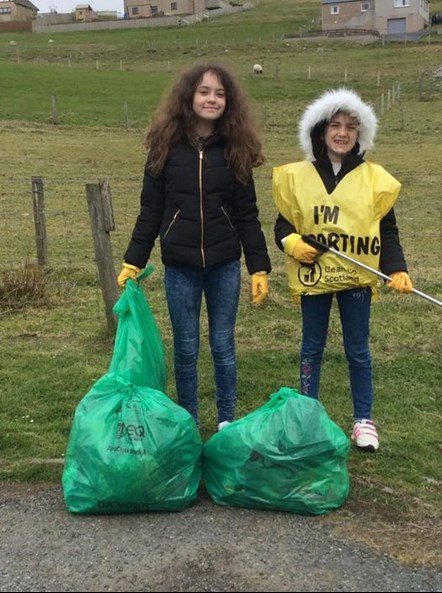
257	69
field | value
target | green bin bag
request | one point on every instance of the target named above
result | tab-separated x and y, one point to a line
130	449
287	455
138	354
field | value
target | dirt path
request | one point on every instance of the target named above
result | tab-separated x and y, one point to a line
204	548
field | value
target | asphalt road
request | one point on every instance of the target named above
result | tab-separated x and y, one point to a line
206	547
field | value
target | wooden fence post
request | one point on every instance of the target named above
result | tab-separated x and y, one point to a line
54	116
126	113
39	220
277	72
102	222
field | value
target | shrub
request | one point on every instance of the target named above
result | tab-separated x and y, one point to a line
23	287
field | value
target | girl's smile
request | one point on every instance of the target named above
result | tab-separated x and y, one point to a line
209	102
341	136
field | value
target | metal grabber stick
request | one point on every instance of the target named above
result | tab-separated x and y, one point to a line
323	248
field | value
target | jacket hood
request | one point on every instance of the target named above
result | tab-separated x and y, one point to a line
319	113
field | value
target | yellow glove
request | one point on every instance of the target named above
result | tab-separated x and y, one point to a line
304	252
260	287
128	272
400	281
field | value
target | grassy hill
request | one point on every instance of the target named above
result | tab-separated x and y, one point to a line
104	87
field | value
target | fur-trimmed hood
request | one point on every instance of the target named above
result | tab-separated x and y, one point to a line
319	113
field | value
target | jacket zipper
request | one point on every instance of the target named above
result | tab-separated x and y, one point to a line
228	217
200	179
171	223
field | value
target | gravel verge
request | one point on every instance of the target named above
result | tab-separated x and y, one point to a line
207	547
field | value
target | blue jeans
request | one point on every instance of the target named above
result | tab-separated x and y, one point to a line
354	310
185	286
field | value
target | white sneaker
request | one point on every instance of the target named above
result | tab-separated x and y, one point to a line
365	435
222	425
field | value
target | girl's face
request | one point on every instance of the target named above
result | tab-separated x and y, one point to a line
341	135
209	102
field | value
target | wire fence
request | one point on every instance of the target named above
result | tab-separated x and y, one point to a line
69	236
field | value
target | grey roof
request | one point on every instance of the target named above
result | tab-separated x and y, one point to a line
26	4
337	1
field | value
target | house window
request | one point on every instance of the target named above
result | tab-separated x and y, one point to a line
154	10
5	11
134	10
401	3
173	6
334	9
365	6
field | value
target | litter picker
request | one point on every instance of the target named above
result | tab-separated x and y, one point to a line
323	248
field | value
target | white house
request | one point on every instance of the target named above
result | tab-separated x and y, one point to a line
17	10
385	16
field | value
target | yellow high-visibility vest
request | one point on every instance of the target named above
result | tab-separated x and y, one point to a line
347	219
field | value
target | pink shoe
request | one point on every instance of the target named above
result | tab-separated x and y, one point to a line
365	435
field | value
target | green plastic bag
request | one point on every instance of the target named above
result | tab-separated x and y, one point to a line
130	449
138	351
287	455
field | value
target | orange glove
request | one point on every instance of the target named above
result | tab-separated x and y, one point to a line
128	272
260	287
304	252
400	281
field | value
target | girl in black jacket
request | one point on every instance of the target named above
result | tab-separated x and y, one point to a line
199	197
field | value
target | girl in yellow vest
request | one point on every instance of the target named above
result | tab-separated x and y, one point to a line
346	202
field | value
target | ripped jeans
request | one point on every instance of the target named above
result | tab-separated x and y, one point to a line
354	310
185	286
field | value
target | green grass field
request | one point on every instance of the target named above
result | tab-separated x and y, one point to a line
53	348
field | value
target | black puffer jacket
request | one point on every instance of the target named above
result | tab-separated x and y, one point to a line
201	213
391	257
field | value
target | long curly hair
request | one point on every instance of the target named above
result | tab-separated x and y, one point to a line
175	118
